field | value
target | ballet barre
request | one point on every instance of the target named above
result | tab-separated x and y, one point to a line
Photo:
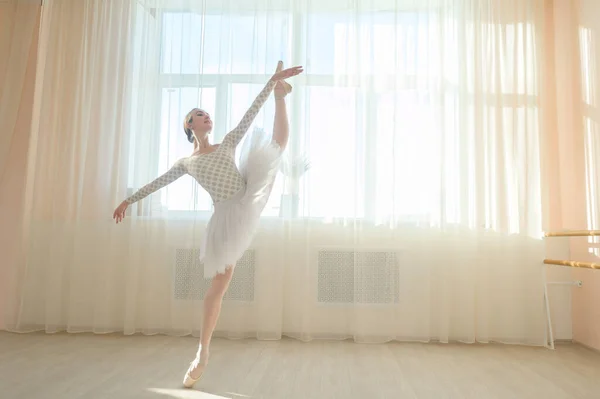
573	233
572	263
567	263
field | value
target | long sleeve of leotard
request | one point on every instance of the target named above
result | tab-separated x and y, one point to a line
176	171
233	138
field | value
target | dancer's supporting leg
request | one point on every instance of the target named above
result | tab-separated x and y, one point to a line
212	308
220	283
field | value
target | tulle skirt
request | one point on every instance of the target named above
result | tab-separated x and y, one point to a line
234	222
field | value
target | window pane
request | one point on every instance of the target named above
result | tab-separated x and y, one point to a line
223	44
509	59
320	43
382	43
258	40
334	186
407	160
240	99
589	67
183	194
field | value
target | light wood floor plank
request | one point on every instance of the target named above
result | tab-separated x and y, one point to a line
103	366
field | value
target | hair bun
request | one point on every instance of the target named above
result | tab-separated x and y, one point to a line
188	132
190	135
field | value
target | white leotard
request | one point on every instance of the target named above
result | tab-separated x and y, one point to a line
216	171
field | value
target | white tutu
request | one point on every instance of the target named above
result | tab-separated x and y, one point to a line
234	222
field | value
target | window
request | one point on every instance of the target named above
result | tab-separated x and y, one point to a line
383	94
206	63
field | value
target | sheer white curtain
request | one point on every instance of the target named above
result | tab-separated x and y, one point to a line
418	219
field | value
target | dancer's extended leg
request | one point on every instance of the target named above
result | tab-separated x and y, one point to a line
281	127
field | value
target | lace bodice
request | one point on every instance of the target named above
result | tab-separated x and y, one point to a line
216	171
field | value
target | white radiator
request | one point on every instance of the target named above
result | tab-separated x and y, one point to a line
189	283
346	276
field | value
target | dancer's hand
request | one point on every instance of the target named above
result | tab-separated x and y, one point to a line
287	73
119	213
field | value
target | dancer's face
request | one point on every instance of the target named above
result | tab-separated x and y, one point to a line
199	121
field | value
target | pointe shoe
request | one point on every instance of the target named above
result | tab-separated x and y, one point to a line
282	88
188	381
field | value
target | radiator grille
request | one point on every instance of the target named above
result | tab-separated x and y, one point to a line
189	282
369	277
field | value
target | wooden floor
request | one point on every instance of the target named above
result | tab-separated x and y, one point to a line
86	366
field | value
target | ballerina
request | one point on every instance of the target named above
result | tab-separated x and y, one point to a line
239	196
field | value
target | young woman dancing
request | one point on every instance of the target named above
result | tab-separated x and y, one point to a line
239	196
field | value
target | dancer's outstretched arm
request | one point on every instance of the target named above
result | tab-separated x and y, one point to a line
233	138
174	173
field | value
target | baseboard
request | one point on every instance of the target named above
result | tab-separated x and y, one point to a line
563	341
593	349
